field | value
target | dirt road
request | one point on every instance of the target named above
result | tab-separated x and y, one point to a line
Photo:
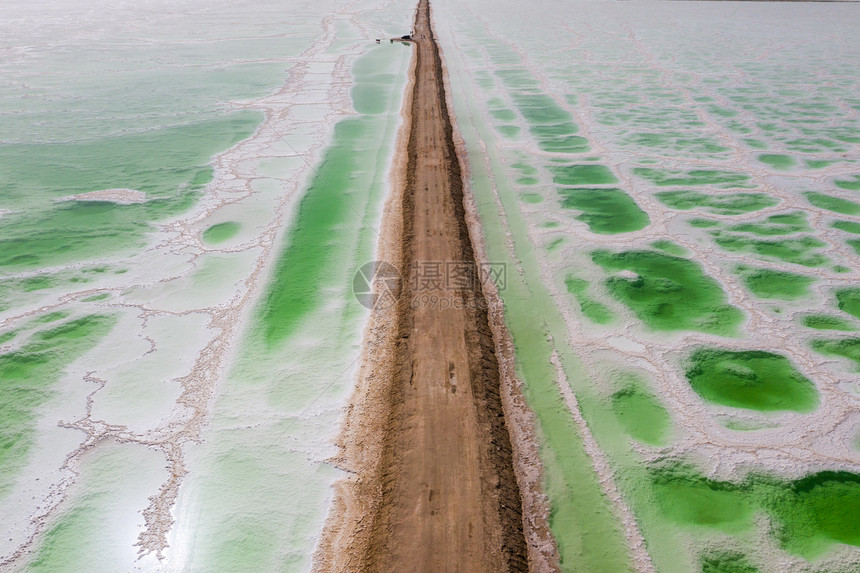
434	487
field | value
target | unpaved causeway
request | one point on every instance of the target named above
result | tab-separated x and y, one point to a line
433	486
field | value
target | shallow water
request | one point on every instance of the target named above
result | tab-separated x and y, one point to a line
738	142
127	316
660	178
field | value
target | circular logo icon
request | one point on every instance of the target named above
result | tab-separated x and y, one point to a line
377	285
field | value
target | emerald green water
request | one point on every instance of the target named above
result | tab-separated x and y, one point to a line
503	114
845	348
605	211
583	175
827	322
777	161
516	78
686	498
670	247
169	165
750	379
51	317
769	283
799	251
96	297
303	264
509	131
668	177
589	536
831	203
592	309
669	293
852	184
221	232
847	226
810	514
540	109
848	300
700	223
816	512
782	224
551	125
310	254
637	90
640	413
26	377
730	204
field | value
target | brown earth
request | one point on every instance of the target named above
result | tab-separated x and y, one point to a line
433	485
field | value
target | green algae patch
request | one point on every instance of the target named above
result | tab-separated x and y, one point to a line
669	247
777	161
782	224
769	283
799	251
809	515
583	175
848	300
816	511
852	184
640	413
541	109
96	297
605	211
669	293
729	204
695	177
847	226
26	377
552	126
686	498
701	223
751	379
727	562
592	309
221	232
831	203
844	348
532	198
51	317
564	144
503	114
827	322
293	291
